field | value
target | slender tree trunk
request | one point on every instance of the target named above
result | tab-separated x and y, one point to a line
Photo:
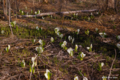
16	7
10	16
5	9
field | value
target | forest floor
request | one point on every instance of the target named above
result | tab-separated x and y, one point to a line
54	57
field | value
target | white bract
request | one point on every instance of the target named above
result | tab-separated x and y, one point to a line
118	45
40	42
82	55
57	30
73	40
97	12
61	35
96	29
47	74
85	78
37	27
91	14
90	48
23	63
102	34
2	32
69	38
34	40
64	44
78	30
33	61
7	48
88	18
35	12
70	51
76	78
52	39
22	12
43	17
14	22
39	49
102	64
118	37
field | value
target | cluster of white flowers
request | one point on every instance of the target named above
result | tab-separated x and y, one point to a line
71	39
63	45
84	78
90	48
58	33
102	34
34	61
39	49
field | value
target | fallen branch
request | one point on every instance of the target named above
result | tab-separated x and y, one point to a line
60	13
112	66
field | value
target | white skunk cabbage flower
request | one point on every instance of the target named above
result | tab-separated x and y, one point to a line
91	14
57	30
43	17
90	48
14	22
102	64
52	39
118	45
61	35
35	12
40	42
85	78
78	31
102	34
8	46
118	37
34	40
96	29
82	55
23	61
64	44
69	38
73	40
76	78
2	32
33	61
70	51
47	74
37	27
39	49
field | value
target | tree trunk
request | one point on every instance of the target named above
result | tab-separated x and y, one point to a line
106	4
5	9
112	4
